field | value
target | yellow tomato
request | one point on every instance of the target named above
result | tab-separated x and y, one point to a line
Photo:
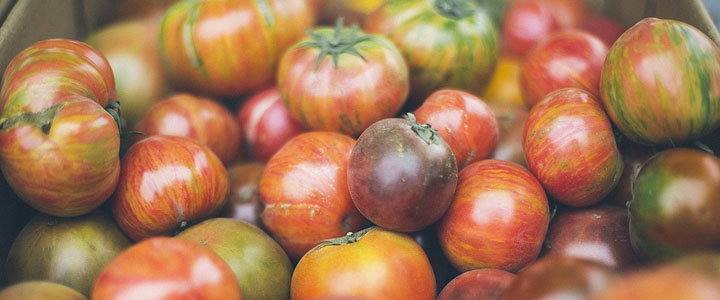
504	86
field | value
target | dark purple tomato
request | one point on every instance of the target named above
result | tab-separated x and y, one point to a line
402	175
634	156
486	284
676	205
244	198
596	233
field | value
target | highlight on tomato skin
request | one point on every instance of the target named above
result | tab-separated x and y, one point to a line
487	283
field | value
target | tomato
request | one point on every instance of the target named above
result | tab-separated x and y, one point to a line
568	13
167	268
243	197
598	233
675	208
260	265
487	284
607	29
36	290
464	121
371	264
401	174
668	283
266	124
352	10
659	83
504	86
343	80
525	24
226	48
634	156
70	251
511	120
509	231
447	43
564	59
560	277
570	146
166	182
201	119
305	192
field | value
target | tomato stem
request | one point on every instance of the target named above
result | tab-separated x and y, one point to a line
42	119
341	41
349	238
425	131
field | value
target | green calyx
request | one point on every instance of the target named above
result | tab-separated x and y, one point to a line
349	238
114	110
454	9
425	131
341	41
42	119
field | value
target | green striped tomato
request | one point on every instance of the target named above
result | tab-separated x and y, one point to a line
661	83
230	47
447	44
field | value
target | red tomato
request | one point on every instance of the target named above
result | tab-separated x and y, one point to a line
498	218
564	59
485	284
607	29
525	24
39	290
373	264
305	192
570	146
464	121
166	182
667	283
165	268
266	124
568	13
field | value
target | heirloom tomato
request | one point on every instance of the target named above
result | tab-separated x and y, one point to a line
70	251
464	121
570	146
229	47
660	83
664	283
564	59
525	24
498	218
343	79
39	290
486	284
401	175
372	264
201	119
606	29
511	121
260	265
166	182
675	208
305	192
568	13
447	43
164	268
266	124
243	197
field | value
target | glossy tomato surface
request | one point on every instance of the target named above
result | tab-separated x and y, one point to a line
487	284
498	218
525	24
676	205
659	83
39	290
564	59
166	182
244	195
401	175
343	80
464	121
570	146
167	268
511	122
371	264
304	189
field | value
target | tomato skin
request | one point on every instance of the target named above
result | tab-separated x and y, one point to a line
243	197
568	13
464	121
487	284
351	270
441	51
564	59
676	205
266	124
37	290
166	268
570	146
664	283
509	233
241	54
607	29
305	192
347	98
525	24
659	83
511	120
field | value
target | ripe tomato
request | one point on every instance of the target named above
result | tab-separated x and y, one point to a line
562	60
229	47
498	218
665	283
37	290
343	80
570	146
568	13
606	29
305	192
243	197
659	83
486	284
372	264
525	24
464	121
447	43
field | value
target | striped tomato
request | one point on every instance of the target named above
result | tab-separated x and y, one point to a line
229	47
362	80
660	83
570	146
447	43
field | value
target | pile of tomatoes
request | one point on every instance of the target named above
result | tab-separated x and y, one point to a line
342	149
